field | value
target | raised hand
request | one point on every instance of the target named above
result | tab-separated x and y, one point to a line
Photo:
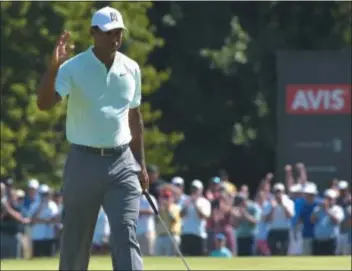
62	50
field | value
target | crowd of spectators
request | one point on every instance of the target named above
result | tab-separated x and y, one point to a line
291	217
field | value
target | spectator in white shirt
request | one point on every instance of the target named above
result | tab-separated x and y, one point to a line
195	213
279	214
101	236
344	200
42	214
180	198
327	219
146	226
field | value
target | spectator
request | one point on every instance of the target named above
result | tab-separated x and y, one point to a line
220	247
195	213
101	236
344	200
310	202
230	187
171	215
213	190
180	198
262	247
279	214
246	217
43	214
32	194
327	219
58	199
295	243
244	190
146	226
220	222
10	221
155	182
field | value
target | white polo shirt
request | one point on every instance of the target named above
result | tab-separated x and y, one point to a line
192	223
43	231
279	219
99	99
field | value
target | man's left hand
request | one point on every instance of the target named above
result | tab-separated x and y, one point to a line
144	179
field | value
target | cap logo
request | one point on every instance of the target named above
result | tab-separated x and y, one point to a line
113	16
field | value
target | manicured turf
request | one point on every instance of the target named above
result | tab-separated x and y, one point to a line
154	263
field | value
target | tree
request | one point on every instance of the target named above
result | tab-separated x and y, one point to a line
33	142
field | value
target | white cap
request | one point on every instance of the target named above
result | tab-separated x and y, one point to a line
197	183
343	185
296	188
33	183
310	189
44	189
177	181
20	193
279	187
331	193
107	19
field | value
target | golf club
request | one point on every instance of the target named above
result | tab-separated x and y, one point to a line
168	232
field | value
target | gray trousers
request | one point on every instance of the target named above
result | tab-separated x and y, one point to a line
10	246
91	180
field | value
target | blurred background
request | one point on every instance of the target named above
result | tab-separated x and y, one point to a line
231	89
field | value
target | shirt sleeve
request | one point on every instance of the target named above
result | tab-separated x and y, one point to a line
63	82
137	97
257	213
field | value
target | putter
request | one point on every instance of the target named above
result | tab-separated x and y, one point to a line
168	232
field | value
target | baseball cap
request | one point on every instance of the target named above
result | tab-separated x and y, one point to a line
177	181
43	189
215	180
220	236
20	193
33	183
197	184
279	187
296	188
343	185
310	189
330	193
108	18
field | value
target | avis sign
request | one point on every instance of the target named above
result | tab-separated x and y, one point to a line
318	99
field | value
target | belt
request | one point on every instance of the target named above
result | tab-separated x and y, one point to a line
116	151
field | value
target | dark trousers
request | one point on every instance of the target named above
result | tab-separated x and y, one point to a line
43	248
245	246
193	245
278	241
324	247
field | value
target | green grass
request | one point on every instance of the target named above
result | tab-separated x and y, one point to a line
206	263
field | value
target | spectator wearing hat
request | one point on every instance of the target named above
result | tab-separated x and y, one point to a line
146	226
181	197
279	215
213	190
344	200
32	194
246	216
195	214
43	215
327	219
220	247
170	212
311	200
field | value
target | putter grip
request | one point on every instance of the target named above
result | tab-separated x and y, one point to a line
149	199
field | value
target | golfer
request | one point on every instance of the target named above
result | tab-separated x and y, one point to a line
105	165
